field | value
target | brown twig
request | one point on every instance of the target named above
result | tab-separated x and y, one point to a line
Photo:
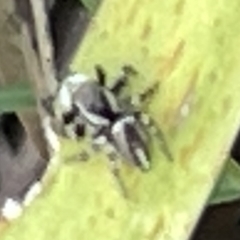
44	44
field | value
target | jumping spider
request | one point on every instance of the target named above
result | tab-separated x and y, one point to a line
111	121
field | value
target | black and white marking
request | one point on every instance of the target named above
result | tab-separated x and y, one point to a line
113	122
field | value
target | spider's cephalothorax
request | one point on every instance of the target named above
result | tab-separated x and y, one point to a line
113	122
82	103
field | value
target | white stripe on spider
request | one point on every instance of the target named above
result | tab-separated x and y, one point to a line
118	126
68	87
92	118
74	81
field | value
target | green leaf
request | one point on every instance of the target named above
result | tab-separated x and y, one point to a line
228	187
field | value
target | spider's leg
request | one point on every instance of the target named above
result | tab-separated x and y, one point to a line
101	75
129	70
79	125
115	170
121	81
149	92
118	85
143	97
80	130
82	156
77	131
130	103
102	141
156	131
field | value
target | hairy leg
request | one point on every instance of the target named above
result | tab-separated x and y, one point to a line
101	142
101	75
122	79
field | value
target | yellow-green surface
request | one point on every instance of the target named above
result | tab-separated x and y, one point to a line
192	48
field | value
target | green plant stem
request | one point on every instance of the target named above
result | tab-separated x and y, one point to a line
16	97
